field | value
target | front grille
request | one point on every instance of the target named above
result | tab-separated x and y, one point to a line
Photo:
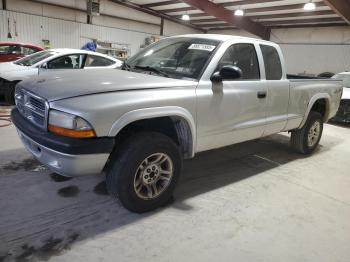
31	107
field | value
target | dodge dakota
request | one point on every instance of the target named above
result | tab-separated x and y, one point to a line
173	99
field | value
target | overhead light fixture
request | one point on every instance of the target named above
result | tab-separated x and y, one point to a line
309	6
185	17
239	12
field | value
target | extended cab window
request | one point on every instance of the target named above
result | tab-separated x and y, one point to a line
242	56
273	66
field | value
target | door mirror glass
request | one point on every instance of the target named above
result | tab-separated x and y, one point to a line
227	72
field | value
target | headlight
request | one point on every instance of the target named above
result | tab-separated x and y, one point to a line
65	124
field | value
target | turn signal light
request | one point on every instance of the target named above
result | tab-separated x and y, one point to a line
71	133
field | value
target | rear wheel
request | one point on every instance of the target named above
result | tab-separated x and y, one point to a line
306	139
144	171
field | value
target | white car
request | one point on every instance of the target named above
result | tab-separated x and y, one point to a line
343	114
45	61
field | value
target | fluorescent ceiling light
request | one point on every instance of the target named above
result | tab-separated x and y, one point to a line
309	6
185	17
239	12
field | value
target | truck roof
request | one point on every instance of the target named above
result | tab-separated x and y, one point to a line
221	37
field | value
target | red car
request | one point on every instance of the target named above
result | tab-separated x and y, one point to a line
11	51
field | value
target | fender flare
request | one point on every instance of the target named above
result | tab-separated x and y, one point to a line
154	112
311	104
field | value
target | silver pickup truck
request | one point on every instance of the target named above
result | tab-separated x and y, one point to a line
177	97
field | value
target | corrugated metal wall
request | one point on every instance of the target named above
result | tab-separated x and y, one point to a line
61	33
316	58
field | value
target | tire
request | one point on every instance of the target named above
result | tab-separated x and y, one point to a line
10	93
300	137
126	179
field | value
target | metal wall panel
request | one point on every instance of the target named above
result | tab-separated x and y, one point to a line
61	33
316	58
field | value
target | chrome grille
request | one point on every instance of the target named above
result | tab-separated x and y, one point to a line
32	107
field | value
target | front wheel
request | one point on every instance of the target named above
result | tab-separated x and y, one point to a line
143	172
306	139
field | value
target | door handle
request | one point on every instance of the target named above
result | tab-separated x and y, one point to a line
261	94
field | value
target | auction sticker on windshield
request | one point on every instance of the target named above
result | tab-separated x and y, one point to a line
208	48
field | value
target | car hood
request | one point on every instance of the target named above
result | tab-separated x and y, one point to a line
72	83
346	93
10	66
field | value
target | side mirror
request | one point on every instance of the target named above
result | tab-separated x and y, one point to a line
227	72
44	66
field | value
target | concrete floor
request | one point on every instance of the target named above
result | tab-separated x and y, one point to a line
256	201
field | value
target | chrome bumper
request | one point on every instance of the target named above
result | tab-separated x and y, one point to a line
65	164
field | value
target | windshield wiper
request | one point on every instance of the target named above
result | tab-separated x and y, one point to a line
152	69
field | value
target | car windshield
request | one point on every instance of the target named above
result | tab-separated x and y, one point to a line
174	57
345	78
34	58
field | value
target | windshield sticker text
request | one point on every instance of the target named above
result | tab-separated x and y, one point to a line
208	48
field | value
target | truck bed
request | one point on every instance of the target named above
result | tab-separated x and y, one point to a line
290	76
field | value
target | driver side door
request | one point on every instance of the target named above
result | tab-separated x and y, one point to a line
232	111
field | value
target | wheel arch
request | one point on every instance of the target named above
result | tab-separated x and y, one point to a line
182	120
319	103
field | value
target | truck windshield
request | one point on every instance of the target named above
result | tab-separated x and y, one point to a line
34	58
174	57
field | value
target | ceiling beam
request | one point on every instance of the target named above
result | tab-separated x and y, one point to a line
227	16
246	2
303	21
191	8
282	22
341	7
310	25
286	26
155	13
171	2
255	9
263	16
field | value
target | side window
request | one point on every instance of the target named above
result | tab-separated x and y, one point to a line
243	56
93	60
273	66
5	50
28	50
10	50
66	62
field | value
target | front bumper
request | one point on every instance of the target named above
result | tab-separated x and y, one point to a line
63	155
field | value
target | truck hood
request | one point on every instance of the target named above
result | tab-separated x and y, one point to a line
72	83
346	93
